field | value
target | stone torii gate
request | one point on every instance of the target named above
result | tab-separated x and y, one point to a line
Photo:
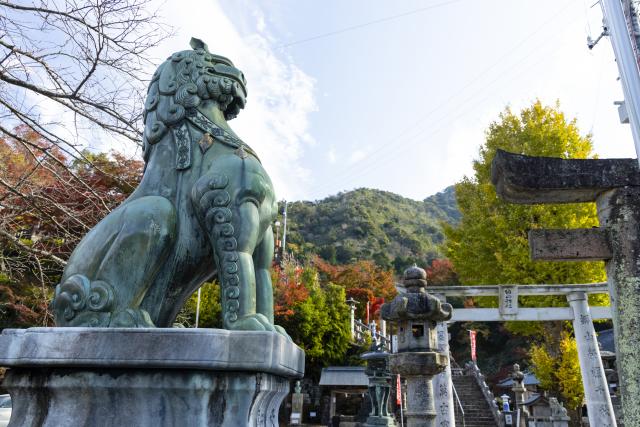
614	185
596	390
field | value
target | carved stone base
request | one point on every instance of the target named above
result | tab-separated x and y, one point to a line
147	377
380	422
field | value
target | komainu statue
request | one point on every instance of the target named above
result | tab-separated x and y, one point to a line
204	208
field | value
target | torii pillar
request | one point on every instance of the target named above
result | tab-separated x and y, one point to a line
594	381
614	184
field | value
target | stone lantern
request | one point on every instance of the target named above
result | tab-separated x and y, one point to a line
418	360
377	371
520	392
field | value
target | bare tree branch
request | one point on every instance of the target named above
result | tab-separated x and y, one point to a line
71	71
32	250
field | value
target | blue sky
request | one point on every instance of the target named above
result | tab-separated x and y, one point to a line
397	95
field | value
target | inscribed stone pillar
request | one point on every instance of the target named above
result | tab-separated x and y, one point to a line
442	384
596	390
619	214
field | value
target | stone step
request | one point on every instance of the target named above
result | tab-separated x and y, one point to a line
477	412
469	421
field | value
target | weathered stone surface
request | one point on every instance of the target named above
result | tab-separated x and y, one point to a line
416	306
526	179
614	184
580	244
143	398
208	349
418	363
421	410
619	213
147	377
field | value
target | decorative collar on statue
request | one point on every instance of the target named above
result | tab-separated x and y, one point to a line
203	123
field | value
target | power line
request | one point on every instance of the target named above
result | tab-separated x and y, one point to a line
367	24
369	167
397	140
446	118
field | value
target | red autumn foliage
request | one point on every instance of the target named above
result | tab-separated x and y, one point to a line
47	204
363	281
441	272
374	305
53	201
288	288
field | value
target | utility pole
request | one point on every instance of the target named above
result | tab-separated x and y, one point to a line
284	229
622	25
198	307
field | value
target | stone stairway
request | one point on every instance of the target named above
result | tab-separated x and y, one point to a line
477	412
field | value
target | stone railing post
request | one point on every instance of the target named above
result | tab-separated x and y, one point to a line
352	317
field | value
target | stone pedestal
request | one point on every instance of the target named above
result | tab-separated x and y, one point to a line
147	377
419	368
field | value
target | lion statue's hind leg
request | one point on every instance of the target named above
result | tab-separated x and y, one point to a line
233	231
112	268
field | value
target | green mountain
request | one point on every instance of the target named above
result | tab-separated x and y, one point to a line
371	224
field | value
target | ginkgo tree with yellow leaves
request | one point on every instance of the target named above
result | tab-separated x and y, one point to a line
560	374
489	245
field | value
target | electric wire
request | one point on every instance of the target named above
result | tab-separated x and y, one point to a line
367	24
397	140
470	105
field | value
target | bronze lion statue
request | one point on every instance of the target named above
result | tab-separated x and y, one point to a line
204	208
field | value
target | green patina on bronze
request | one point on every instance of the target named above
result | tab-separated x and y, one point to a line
204	208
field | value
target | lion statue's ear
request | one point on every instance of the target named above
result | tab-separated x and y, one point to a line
198	44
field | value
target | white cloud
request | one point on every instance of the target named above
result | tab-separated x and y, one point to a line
275	122
357	155
331	155
260	23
